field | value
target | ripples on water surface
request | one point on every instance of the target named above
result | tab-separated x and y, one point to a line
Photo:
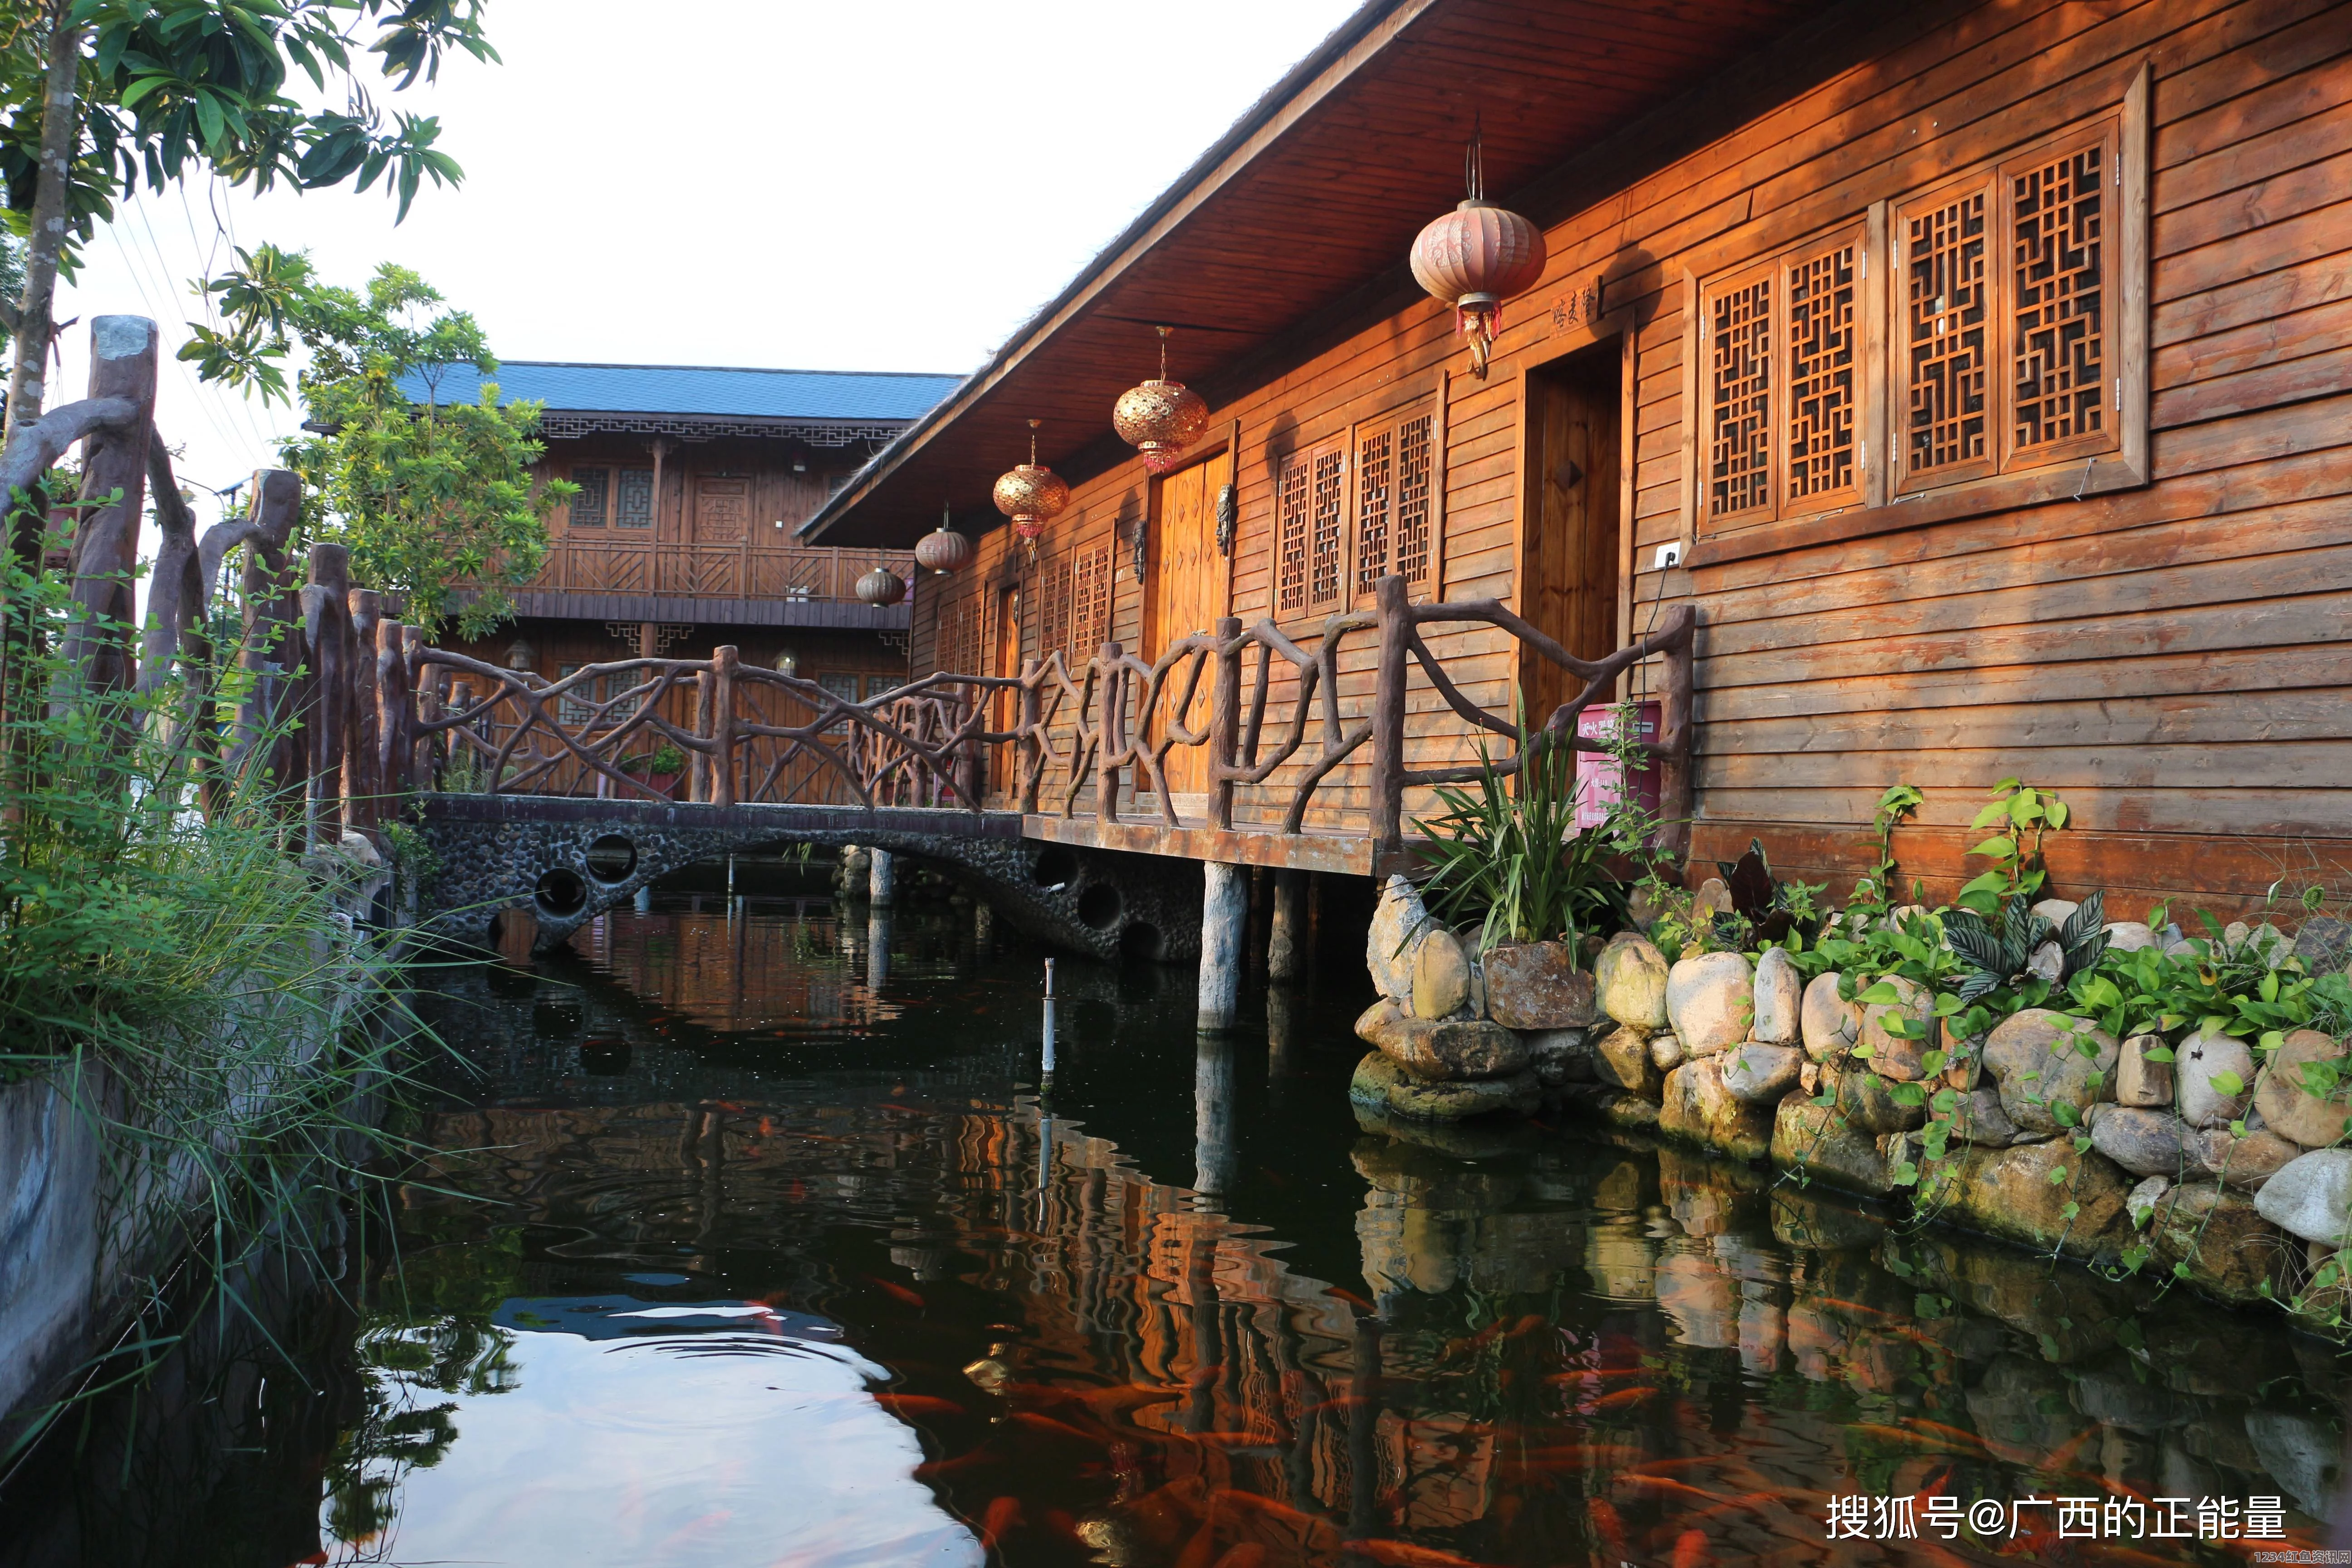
751	1244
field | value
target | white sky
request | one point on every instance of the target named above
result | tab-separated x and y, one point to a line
781	183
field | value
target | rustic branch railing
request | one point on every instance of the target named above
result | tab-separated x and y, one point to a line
755	735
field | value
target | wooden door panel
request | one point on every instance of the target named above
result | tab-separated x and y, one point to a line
1569	552
1187	595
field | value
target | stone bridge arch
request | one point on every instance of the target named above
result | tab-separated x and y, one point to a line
568	861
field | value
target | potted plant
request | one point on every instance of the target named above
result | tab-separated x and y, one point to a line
657	769
1514	864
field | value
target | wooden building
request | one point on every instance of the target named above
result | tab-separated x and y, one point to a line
692	480
1980	370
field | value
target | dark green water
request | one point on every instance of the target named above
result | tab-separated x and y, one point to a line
747	1243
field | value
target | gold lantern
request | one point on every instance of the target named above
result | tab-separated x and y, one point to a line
1031	494
1160	418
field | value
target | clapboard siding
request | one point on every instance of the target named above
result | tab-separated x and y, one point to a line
2171	659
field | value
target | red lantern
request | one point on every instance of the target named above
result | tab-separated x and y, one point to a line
1474	258
1031	494
1160	418
942	550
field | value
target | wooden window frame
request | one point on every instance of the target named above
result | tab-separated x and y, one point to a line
1893	498
605	513
1376	445
1294	515
653	499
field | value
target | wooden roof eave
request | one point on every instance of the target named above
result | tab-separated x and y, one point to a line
1350	47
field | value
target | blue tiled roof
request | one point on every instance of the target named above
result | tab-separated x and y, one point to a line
698	389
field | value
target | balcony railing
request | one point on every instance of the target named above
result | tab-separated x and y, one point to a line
706	570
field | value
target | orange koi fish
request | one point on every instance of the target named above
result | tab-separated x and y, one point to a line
1046	1426
1350	1297
1668	1484
911	1405
1690	1549
1624	1398
898	1293
1404	1554
1002	1515
1243	1554
1609	1526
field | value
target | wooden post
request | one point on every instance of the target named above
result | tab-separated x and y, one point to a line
1224	943
363	769
106	543
723	659
1286	944
1388	723
1030	753
272	638
881	879
326	688
1225	722
698	763
395	719
1674	803
1108	737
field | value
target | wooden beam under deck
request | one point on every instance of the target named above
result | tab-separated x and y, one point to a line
1352	854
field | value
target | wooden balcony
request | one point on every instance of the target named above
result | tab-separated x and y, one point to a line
712	583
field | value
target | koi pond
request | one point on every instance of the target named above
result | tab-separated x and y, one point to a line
746	1237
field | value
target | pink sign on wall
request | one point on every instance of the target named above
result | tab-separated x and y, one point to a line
1598	786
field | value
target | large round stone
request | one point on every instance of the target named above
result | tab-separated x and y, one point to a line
2311	1195
1695	1105
1868	1104
1381	1081
1899	1056
1441	975
1622	1059
1399	925
1629	982
1458	1049
2286	1100
1536	986
1830	1024
2022	1193
1817	1139
2249	1161
2212	1080
1711	1000
1779	999
1761	1074
2229	1249
2041	1059
2146	1143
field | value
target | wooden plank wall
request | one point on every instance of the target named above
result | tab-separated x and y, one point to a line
2172	659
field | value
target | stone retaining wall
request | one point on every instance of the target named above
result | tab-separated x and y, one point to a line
2209	1165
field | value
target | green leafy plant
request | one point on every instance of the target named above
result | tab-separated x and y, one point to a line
1875	887
667	758
1512	863
1999	952
2018	814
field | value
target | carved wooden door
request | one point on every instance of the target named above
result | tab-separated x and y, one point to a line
1005	704
722	517
1567	553
1187	595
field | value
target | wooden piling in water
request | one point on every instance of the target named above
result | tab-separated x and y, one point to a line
1224	933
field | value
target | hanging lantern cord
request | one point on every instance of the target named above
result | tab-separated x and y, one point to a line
1163	352
1032	441
1473	171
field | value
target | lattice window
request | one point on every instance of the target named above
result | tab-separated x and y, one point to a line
1375	479
636	498
1739	397
1946	416
956	649
1326	525
841	683
2058	353
1291	535
1091	600
1822	370
590	507
577	706
1416	472
1054	605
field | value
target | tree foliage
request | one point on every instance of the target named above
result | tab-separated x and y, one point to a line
434	499
169	87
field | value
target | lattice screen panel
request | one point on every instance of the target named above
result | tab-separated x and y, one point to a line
1740	398
1945	321
1291	535
1414	472
2058	358
590	506
1327	512
637	498
1375	465
1822	367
